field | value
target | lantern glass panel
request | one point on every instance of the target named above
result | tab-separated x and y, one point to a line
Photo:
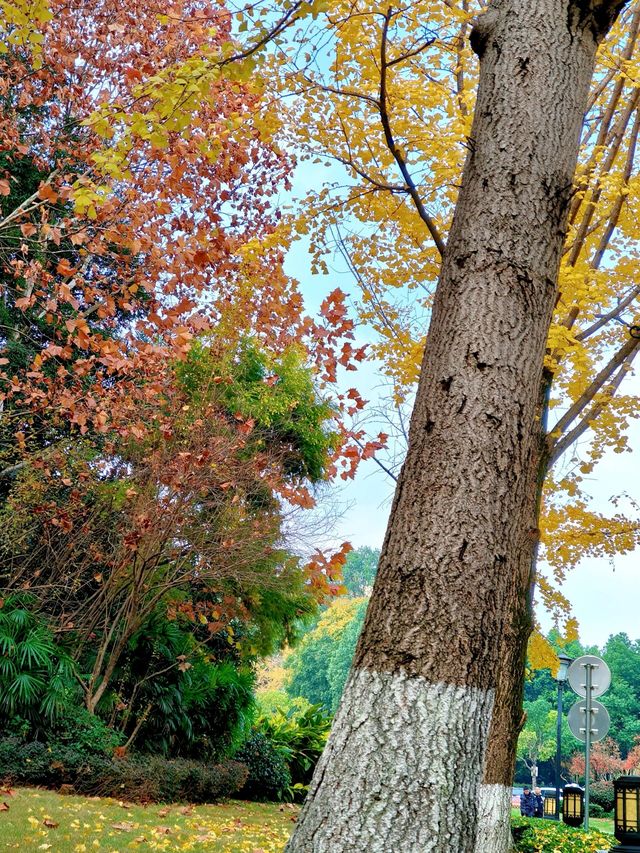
627	809
573	805
550	806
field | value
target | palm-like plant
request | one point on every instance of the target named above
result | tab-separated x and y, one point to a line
36	674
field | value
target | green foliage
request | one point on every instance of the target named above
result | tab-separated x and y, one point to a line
537	741
623	698
319	667
191	704
269	778
540	836
276	395
272	701
299	736
36	674
601	794
359	571
85	732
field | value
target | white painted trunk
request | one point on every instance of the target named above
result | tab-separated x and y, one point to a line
396	776
494	818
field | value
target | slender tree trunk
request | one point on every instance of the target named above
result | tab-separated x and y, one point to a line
403	765
494	801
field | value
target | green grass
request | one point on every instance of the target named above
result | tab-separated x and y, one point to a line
85	824
602	824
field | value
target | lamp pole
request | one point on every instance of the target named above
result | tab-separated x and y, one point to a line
561	679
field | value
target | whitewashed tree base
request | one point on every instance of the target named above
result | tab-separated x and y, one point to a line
398	774
494	820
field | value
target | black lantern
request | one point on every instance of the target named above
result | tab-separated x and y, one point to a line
573	805
627	814
550	807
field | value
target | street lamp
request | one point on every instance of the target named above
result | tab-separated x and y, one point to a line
627	814
573	805
561	678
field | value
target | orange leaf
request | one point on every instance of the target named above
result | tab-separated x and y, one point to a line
46	192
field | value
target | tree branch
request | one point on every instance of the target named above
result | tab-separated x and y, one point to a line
629	348
559	447
391	144
286	20
612	315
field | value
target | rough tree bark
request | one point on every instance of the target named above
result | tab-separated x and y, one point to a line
451	603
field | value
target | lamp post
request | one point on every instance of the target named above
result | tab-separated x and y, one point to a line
561	678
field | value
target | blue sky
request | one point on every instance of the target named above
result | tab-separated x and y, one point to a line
605	597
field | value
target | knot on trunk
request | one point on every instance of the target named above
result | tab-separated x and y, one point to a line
483	26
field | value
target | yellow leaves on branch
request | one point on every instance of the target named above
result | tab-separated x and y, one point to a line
21	24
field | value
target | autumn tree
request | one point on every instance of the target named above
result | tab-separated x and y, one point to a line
439	665
137	210
142	471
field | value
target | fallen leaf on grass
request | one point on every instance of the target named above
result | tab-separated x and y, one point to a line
50	824
163	830
124	826
186	810
4	807
163	812
141	839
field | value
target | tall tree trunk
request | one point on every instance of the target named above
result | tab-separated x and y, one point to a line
403	765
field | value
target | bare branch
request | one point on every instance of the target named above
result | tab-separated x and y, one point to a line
285	21
377	461
612	315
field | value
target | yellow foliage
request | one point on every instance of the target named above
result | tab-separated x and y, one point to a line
21	23
540	653
364	212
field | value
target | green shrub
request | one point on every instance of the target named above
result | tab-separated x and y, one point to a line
299	735
596	810
157	779
269	778
139	778
36	763
601	794
540	836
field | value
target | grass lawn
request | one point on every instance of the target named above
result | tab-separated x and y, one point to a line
79	824
600	824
